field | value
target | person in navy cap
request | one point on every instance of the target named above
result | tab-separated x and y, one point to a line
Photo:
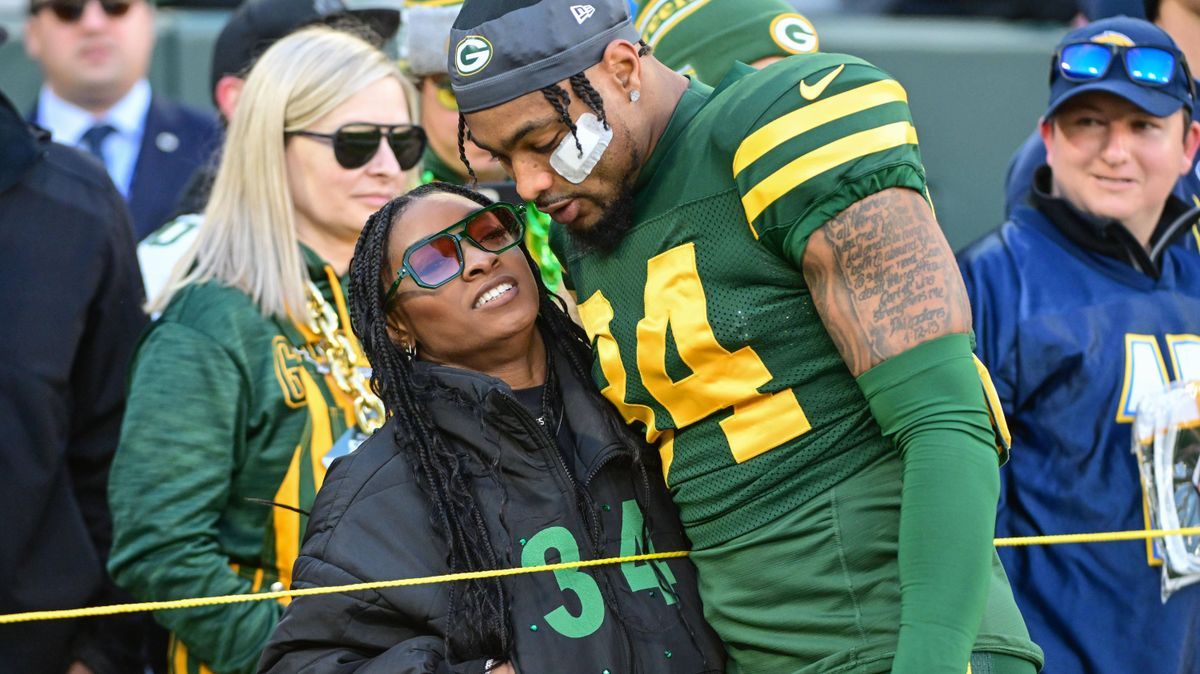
1181	20
1084	302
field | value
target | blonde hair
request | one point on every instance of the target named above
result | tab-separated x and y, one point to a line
248	239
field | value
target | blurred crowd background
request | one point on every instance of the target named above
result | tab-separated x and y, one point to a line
974	70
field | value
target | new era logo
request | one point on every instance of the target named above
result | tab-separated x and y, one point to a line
582	12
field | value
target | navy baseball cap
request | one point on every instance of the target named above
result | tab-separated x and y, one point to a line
1117	35
504	49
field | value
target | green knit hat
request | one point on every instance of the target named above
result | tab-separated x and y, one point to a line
705	37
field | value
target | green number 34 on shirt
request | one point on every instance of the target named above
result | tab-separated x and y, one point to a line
638	575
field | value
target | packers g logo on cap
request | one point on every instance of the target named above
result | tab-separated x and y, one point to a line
472	54
794	34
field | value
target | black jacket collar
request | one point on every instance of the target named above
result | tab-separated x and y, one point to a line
1109	237
596	437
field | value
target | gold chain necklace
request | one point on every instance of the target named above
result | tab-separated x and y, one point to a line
345	361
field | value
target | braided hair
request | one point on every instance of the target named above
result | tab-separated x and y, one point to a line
478	626
560	100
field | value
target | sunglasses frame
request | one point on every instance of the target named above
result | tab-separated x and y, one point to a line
385	132
72	12
406	270
1120	52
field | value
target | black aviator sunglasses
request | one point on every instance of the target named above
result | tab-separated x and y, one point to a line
356	143
70	11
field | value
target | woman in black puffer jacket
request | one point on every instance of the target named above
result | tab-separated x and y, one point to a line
499	453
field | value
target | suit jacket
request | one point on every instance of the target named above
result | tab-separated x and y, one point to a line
177	139
164	168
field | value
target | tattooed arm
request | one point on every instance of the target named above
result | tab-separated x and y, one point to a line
884	279
889	292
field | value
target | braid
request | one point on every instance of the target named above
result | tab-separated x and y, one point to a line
462	148
559	100
583	89
478	625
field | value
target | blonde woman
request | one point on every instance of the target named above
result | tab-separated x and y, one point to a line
250	383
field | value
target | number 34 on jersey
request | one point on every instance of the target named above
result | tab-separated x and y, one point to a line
720	379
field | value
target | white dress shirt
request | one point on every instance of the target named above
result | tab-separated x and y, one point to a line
68	122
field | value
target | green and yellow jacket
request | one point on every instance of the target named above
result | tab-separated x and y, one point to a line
228	413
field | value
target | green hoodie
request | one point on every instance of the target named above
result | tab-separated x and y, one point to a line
227	413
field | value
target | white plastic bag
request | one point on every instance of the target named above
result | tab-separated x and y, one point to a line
1166	441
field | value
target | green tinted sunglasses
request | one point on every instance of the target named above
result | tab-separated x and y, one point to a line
437	259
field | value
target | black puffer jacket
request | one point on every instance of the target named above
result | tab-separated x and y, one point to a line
371	521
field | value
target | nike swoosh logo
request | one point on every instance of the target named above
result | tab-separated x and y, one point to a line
811	92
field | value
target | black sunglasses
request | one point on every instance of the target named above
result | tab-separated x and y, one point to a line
70	10
356	143
437	259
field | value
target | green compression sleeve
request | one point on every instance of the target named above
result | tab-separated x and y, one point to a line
929	402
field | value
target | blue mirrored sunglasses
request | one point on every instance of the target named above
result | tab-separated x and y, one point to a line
1147	66
438	259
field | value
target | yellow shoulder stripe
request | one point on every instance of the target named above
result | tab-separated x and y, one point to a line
645	13
653	33
813	115
995	411
820	160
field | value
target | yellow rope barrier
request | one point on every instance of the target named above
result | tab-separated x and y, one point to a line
92	611
1106	537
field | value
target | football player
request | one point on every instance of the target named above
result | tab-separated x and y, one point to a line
774	305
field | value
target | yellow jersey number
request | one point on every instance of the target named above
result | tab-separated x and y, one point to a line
719	379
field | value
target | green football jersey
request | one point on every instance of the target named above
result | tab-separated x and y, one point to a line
707	337
705	331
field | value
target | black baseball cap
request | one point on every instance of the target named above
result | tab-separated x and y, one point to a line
503	49
257	24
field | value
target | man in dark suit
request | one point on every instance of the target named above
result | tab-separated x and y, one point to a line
94	56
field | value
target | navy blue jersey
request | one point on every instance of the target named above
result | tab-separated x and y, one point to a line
1032	154
1073	339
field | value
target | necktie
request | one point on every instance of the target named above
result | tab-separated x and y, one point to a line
93	140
